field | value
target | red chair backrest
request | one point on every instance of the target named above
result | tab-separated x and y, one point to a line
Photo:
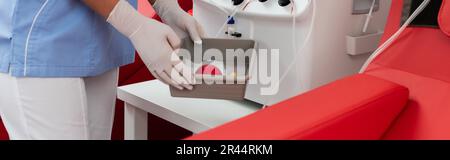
420	60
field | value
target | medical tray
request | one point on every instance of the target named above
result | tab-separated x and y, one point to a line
218	86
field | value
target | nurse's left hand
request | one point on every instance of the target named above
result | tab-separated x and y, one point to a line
180	21
156	43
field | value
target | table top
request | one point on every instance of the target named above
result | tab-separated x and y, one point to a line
193	114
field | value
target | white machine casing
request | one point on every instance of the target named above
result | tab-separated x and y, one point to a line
323	58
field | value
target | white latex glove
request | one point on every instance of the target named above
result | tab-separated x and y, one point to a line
180	21
156	43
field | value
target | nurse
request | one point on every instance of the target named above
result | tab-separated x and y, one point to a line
59	61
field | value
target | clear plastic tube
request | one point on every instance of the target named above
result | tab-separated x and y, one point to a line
369	16
294	42
294	30
395	36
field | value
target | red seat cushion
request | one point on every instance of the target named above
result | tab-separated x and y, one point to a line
419	60
427	113
358	107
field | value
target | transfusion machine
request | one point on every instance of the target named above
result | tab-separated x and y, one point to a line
319	41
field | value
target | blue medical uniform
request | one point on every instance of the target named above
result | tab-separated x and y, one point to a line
58	38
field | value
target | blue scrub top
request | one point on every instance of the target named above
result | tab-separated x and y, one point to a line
58	38
6	13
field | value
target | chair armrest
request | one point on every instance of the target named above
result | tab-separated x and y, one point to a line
357	107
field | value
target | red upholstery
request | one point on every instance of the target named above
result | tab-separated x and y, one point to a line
418	60
3	133
358	107
444	17
427	114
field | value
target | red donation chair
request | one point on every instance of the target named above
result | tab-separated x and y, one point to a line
403	95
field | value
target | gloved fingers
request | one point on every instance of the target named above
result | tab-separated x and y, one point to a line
174	58
200	29
173	39
158	77
160	64
178	78
170	81
163	77
181	68
194	33
186	72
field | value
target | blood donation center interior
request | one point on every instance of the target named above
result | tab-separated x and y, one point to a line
225	70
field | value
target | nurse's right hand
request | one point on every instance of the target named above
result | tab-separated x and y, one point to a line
156	43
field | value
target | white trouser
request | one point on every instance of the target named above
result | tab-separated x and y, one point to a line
58	108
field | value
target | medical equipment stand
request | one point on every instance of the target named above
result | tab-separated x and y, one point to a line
195	115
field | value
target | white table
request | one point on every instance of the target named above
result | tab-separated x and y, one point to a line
195	115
